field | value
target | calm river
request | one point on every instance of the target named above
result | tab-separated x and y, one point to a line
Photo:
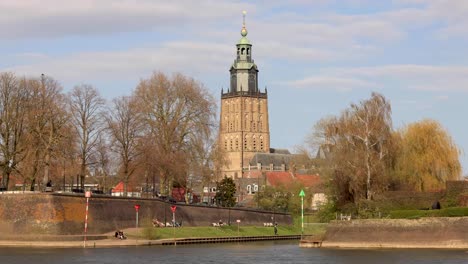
255	253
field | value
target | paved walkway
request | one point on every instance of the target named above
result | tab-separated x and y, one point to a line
79	244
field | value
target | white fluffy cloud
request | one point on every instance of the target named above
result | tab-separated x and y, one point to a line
196	35
170	57
412	77
57	18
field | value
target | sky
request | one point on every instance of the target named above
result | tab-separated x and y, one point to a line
315	57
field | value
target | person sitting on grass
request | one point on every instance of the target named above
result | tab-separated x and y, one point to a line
120	235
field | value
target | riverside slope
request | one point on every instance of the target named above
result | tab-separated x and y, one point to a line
431	232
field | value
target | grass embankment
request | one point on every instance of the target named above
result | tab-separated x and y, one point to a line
227	231
415	214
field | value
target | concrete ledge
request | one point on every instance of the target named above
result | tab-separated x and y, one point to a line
449	245
430	232
106	243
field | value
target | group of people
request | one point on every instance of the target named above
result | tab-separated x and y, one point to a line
157	223
120	235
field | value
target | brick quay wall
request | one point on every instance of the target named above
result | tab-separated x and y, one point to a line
430	232
60	214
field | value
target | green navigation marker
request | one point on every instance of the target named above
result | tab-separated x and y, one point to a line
302	194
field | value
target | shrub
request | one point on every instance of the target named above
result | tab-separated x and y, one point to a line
327	212
414	214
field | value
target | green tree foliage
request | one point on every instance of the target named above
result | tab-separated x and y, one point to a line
226	192
359	147
280	198
427	156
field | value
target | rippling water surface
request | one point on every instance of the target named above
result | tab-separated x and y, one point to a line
255	253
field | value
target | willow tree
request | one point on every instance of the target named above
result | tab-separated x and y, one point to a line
358	144
428	157
178	113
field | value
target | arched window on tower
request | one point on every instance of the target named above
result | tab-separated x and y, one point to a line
248	51
245	142
242	51
237	143
261	143
246	120
236	123
225	145
254	143
260	123
230	144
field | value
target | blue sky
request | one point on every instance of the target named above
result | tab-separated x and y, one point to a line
315	57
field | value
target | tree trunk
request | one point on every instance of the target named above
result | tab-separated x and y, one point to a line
368	171
126	176
82	175
46	169
6	179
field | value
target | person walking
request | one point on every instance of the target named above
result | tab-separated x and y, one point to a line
276	229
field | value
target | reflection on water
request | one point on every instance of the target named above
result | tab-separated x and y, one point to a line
261	252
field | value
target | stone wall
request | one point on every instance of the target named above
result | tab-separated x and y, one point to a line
56	214
443	232
457	192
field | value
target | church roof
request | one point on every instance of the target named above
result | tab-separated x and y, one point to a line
266	159
286	179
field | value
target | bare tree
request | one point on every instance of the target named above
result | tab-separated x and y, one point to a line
370	124
357	144
14	98
125	126
103	164
177	111
86	111
47	118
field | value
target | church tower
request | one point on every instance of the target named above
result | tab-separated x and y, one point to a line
244	126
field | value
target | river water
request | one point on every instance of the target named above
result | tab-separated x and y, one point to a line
254	253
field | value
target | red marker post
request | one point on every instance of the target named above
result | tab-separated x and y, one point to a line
137	208
87	195
173	209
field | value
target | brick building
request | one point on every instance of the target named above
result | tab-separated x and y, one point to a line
244	128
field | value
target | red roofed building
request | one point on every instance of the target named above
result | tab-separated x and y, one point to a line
118	190
253	181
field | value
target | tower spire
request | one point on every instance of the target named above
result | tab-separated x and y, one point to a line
243	30
243	18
